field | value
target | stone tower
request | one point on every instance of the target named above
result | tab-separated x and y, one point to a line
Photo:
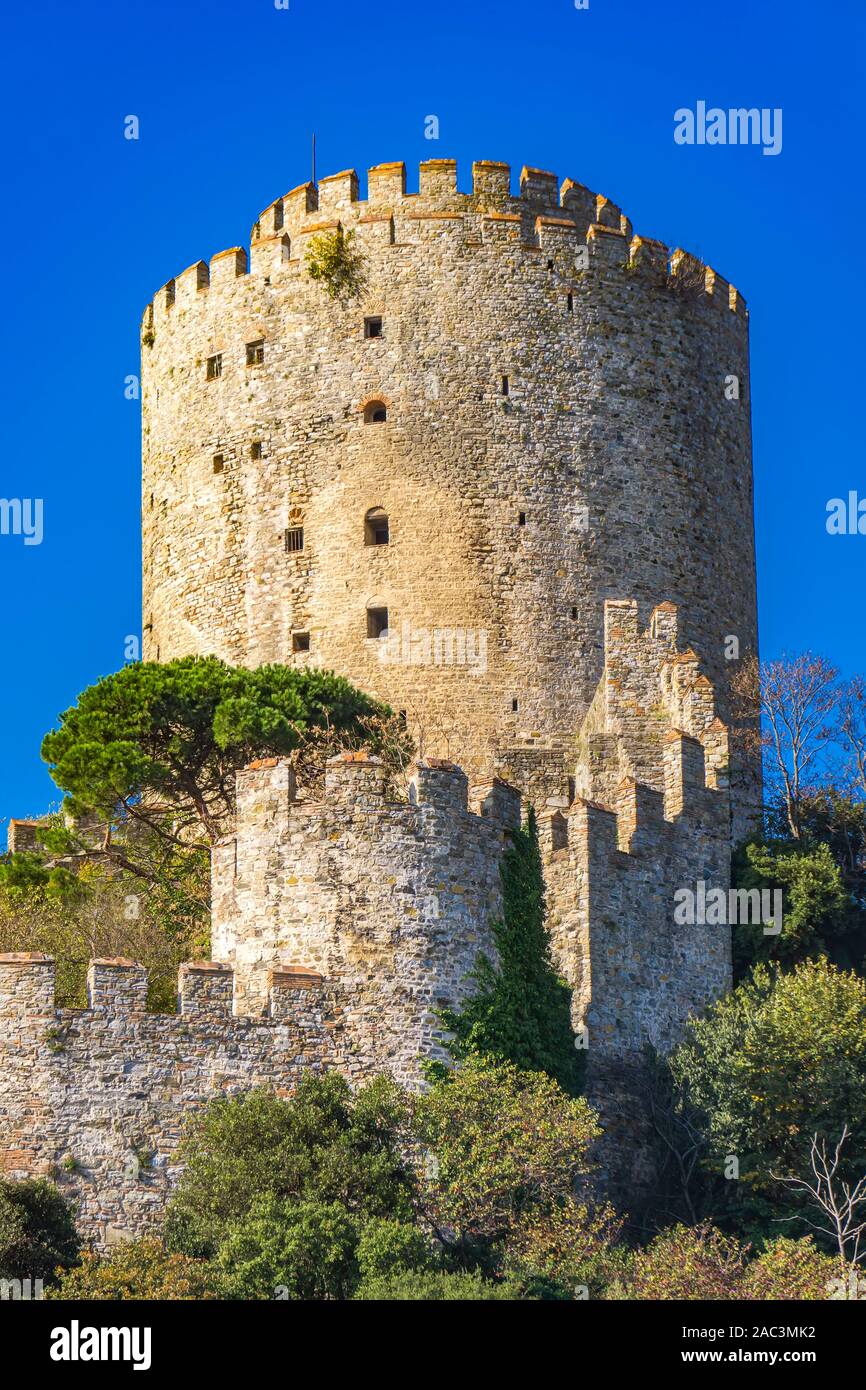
527	412
507	489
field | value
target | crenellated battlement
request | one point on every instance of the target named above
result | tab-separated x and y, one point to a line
118	987
653	717
566	219
96	1099
651	817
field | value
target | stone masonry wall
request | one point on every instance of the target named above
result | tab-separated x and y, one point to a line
652	817
614	464
390	900
342	927
96	1099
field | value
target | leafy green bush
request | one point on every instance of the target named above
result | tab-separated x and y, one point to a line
792	1269
520	1011
291	1250
37	1232
684	1263
387	1247
415	1285
504	1150
141	1269
325	1144
701	1262
817	906
781	1058
334	262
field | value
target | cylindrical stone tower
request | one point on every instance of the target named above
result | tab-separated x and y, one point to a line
524	412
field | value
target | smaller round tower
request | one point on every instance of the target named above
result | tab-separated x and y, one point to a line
390	901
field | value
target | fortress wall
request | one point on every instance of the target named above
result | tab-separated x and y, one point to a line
616	368
390	900
96	1099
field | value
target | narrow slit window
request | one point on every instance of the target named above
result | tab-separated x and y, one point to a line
377	530
570	303
574	612
256	353
506	386
294	539
515	705
377	622
300	641
214	366
373	327
218	462
521	518
256	449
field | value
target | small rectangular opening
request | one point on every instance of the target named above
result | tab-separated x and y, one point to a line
506	386
256	449
300	641
218	463
256	353
570	302
377	621
574	612
376	529
515	705
294	539
373	327
214	366
521	518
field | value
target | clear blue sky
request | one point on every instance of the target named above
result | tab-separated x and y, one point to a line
227	95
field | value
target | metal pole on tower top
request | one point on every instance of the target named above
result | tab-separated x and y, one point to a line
314	159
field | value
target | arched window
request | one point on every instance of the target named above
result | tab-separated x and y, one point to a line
376	528
375	413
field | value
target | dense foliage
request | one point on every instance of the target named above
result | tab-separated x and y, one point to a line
327	1145
159	744
37	1231
520	1010
781	1058
333	261
140	1269
819	915
700	1262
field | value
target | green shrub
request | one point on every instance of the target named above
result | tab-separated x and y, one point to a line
426	1287
780	1059
291	1250
141	1269
792	1269
37	1232
388	1247
333	261
684	1263
325	1144
505	1149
